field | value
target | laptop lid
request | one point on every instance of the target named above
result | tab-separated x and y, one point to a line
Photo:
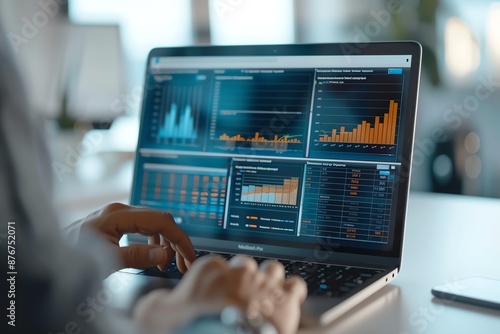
290	151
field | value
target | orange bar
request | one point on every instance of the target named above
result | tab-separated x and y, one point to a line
387	125
390	121
355	135
363	131
393	125
383	132
334	135
367	138
379	133
337	138
349	137
387	133
370	137
376	129
342	135
385	128
285	199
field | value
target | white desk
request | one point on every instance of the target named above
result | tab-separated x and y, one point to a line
447	238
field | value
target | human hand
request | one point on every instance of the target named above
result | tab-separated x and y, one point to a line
213	283
165	237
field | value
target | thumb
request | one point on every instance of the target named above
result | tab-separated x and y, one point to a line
144	256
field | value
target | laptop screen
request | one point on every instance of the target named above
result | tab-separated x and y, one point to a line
292	151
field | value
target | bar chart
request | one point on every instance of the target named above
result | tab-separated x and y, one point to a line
357	116
260	113
276	142
380	133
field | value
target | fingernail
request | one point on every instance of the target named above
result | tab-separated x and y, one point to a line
156	254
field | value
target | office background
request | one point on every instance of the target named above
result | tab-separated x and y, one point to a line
83	62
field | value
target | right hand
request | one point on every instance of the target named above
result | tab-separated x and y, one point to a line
213	283
166	239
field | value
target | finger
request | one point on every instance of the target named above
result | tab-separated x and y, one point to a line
208	262
166	246
242	273
170	256
154	239
142	256
296	288
204	267
241	261
274	272
181	263
145	220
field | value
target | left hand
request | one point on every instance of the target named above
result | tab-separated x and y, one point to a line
262	292
165	238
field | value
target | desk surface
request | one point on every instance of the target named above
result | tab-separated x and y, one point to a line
447	238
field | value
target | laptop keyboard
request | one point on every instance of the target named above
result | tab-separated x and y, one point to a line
322	279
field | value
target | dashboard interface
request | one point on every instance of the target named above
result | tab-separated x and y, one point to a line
282	150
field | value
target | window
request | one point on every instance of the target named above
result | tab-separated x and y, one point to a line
144	24
251	22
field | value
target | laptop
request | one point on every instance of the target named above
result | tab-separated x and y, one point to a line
300	153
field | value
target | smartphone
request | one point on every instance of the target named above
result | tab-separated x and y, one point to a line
474	290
